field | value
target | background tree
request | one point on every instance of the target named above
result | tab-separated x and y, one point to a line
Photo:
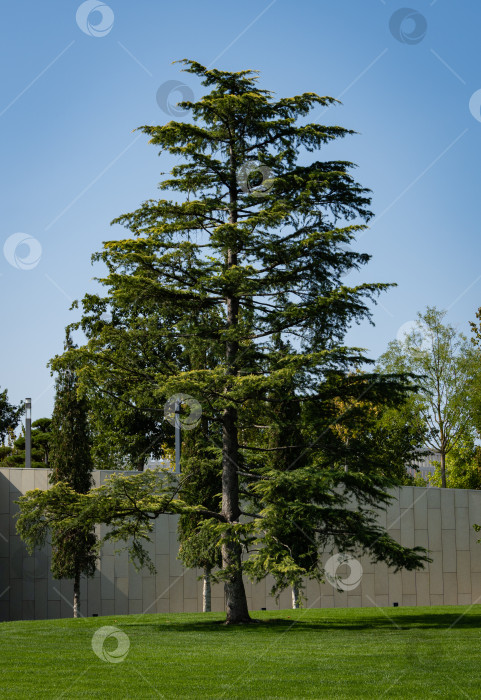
73	553
463	468
201	483
384	436
449	378
41	443
117	370
7	449
247	255
9	416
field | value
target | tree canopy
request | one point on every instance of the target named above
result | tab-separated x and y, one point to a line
9	416
448	370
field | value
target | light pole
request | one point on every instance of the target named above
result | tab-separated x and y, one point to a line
28	433
177	435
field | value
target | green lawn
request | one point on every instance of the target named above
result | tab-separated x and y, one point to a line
341	653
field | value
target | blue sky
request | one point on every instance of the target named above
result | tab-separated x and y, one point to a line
73	91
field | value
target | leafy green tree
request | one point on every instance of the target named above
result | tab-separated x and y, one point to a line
9	416
73	547
248	254
6	450
448	369
463	468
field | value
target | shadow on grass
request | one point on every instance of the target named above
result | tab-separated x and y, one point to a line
380	621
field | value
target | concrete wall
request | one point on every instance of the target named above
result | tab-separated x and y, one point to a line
440	520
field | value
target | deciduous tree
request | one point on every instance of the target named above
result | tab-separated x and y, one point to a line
449	376
9	416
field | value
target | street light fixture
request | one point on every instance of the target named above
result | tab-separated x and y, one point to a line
28	433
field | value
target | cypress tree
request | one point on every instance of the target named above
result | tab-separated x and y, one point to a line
72	546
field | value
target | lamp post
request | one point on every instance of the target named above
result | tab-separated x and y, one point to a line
28	433
177	436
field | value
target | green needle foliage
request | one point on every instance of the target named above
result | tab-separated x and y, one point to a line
233	290
73	547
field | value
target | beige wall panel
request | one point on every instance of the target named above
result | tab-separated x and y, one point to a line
436	586
439	519
450	589
463	571
420	507
422	588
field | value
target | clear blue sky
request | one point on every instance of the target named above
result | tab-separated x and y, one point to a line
70	161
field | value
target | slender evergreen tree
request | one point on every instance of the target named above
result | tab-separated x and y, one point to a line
72	546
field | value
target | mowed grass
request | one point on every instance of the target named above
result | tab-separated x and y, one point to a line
328	653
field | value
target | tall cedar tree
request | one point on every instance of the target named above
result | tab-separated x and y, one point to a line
72	547
234	286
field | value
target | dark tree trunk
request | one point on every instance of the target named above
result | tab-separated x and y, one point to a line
76	595
235	595
236	600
